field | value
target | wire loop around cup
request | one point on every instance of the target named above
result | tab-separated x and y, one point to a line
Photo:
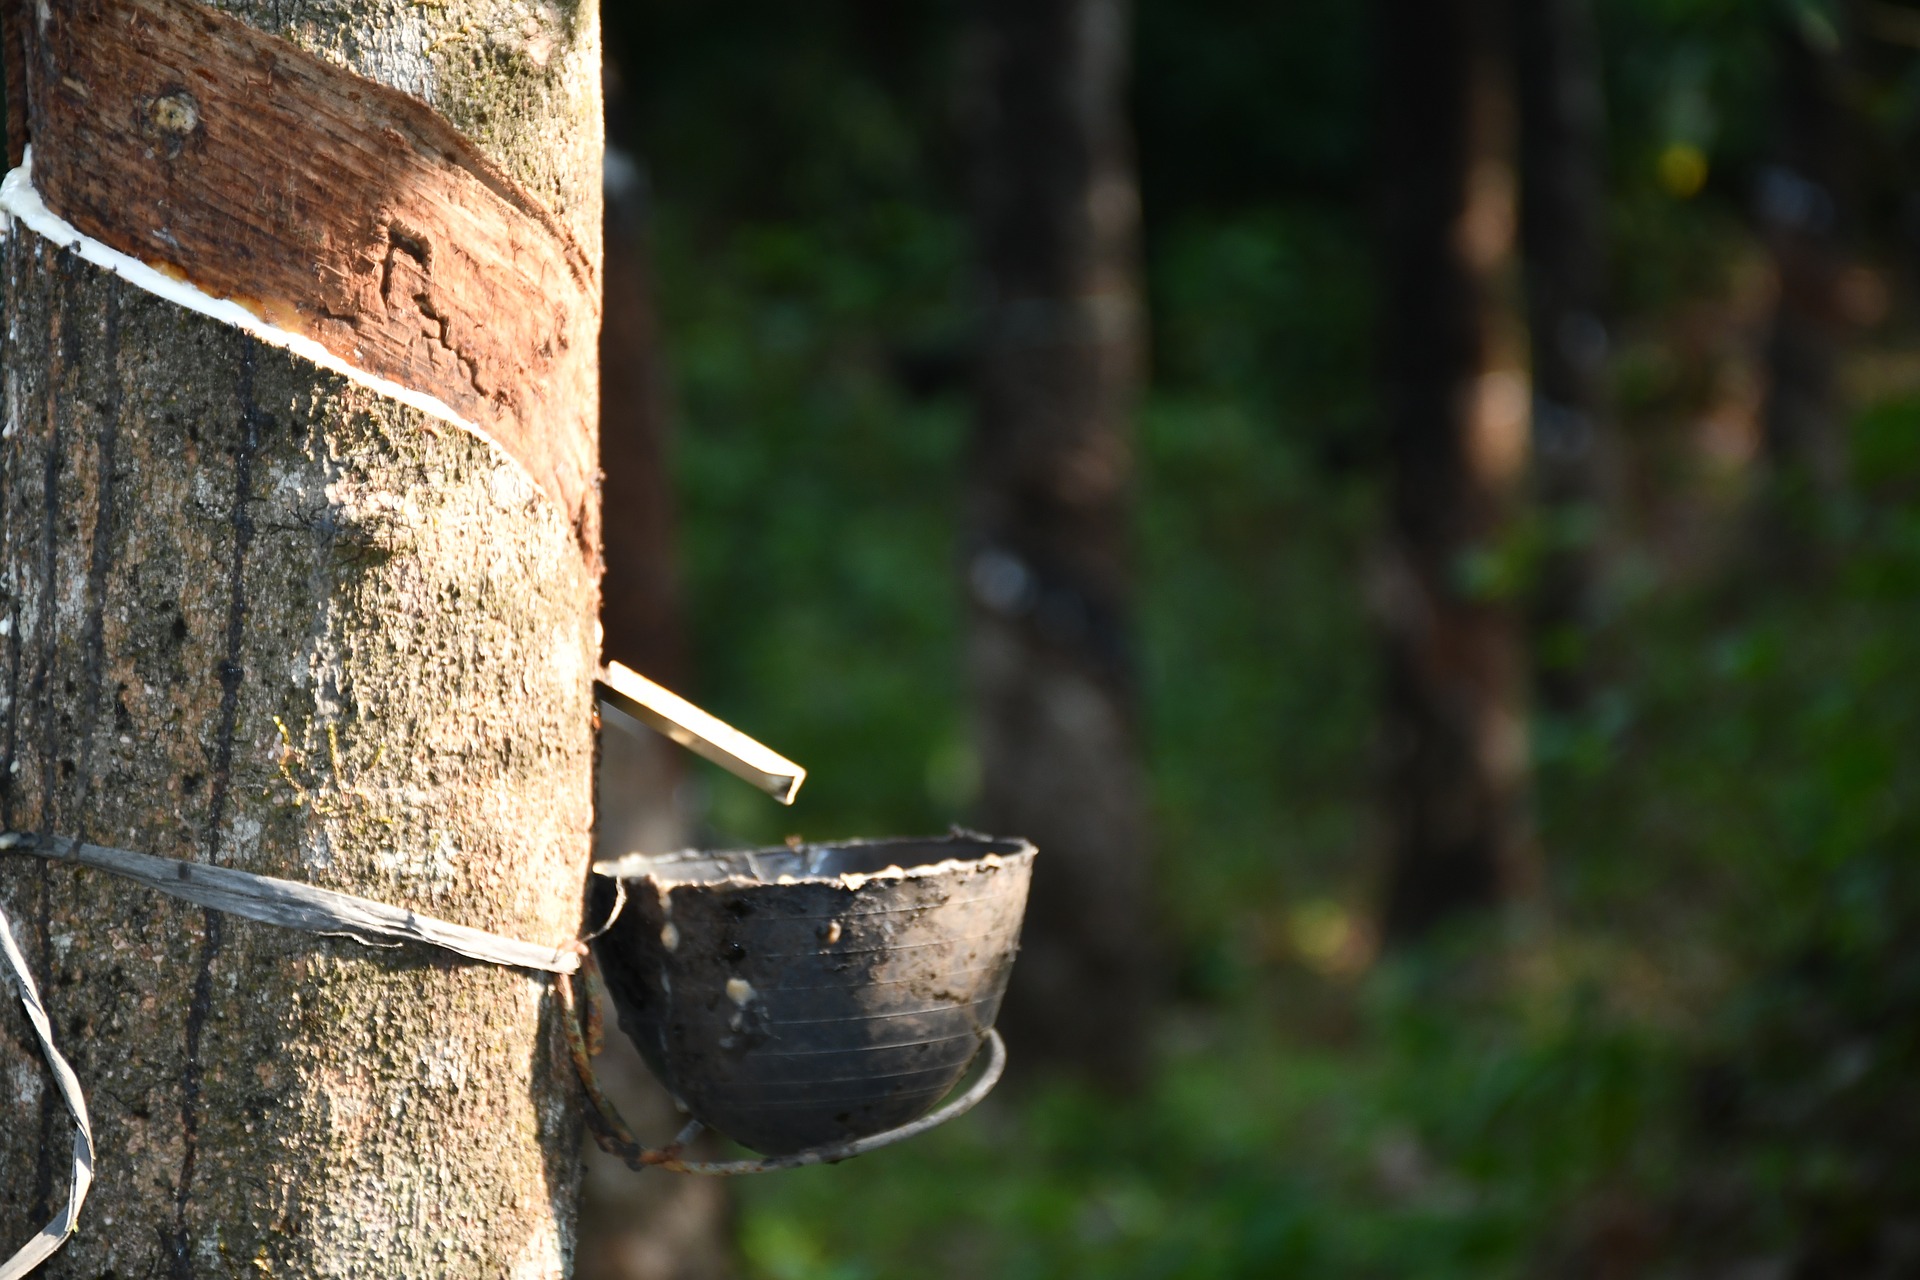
610	1131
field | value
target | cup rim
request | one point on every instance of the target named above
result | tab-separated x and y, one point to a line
842	863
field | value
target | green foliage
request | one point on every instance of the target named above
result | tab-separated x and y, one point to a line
1714	1045
819	516
1428	1154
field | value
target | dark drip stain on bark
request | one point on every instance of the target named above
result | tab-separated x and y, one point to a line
54	354
9	749
95	655
46	636
231	673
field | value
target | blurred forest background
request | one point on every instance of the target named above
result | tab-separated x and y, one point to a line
1479	838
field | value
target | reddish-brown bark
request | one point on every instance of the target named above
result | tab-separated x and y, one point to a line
327	204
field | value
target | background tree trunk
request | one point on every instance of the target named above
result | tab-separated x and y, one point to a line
1456	404
1802	199
1056	215
1563	205
258	615
650	1225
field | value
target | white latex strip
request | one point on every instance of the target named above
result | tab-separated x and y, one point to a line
20	201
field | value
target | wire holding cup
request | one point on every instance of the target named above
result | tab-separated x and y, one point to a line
614	1137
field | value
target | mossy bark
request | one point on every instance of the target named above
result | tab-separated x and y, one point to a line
257	615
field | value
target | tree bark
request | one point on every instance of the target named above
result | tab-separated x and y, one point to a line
259	615
646	1225
1802	200
1563	204
1056	215
1456	404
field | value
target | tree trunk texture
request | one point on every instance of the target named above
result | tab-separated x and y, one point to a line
252	613
1563	203
1456	405
641	1225
1802	199
1057	216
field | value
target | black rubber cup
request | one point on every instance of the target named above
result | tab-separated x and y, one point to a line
799	997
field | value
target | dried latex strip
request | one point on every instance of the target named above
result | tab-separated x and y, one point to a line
55	1233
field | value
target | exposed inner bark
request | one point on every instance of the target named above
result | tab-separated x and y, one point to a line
326	204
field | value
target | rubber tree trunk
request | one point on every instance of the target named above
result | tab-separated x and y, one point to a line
1802	199
1563	204
1456	405
1056	211
651	1225
253	613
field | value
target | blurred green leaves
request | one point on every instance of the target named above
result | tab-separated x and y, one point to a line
1707	1049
